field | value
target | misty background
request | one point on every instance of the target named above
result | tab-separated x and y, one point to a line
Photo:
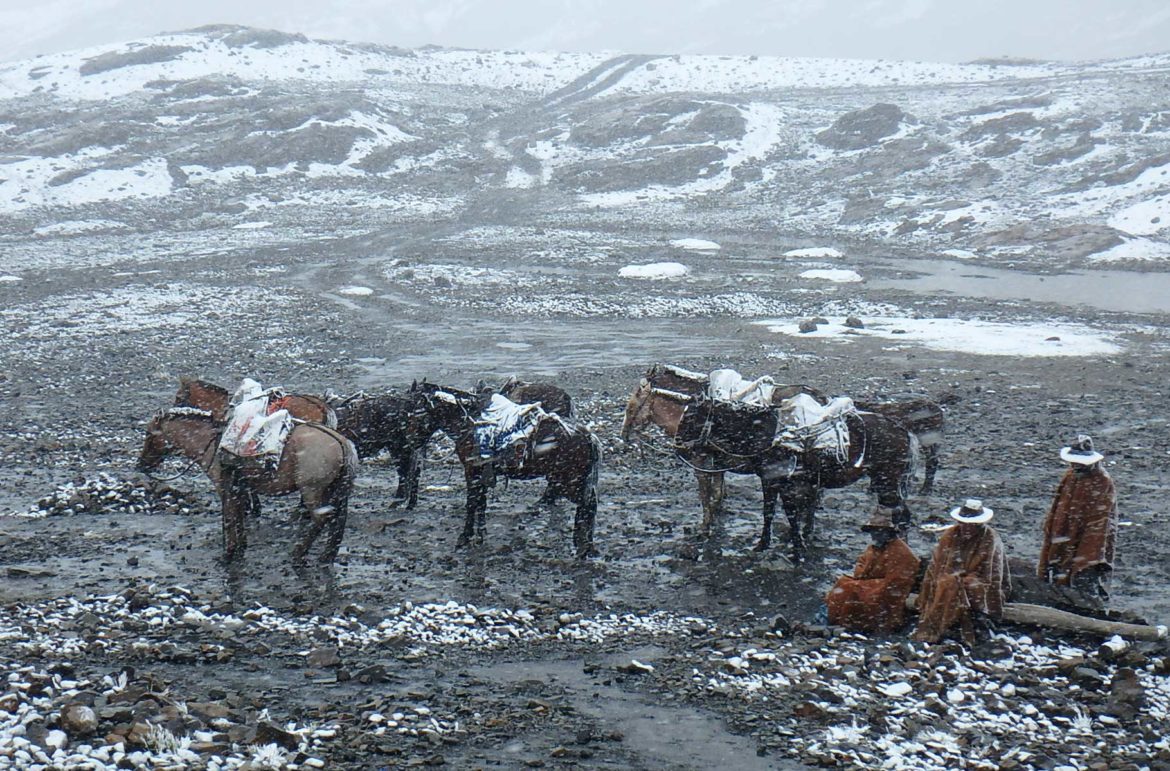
928	30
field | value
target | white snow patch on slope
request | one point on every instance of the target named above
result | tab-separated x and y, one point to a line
355	291
655	270
695	244
1134	250
1144	218
76	227
316	61
25	183
519	178
761	135
740	74
836	275
815	252
10	279
969	336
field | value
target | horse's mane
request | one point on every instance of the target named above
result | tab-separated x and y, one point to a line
185	412
679	372
187	382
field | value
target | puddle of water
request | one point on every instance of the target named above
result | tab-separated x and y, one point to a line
668	737
1107	290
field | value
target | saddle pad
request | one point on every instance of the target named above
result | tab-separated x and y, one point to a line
734	428
252	433
729	385
819	427
504	423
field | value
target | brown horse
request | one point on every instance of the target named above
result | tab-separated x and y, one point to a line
714	437
567	455
918	413
317	462
203	395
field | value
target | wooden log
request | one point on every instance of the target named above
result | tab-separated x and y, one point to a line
1042	615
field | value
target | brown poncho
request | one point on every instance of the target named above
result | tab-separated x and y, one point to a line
968	572
1080	530
874	598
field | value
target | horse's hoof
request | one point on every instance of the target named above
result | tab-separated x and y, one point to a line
590	553
761	546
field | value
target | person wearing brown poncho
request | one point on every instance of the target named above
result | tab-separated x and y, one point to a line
1080	531
873	599
967	581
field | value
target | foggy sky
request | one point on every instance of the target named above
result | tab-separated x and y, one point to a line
931	30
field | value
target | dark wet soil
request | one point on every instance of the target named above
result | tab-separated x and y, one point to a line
75	394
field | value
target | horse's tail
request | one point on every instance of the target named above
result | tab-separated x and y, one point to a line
913	466
595	455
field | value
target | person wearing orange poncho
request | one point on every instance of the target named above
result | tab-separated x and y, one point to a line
873	599
967	581
1080	531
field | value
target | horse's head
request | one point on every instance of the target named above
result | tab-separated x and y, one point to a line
637	409
155	448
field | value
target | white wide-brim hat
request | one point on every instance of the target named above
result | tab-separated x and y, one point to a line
1073	455
972	512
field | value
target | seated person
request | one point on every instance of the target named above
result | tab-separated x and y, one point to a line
967	581
874	598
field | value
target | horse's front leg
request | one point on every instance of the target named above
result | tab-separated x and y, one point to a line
312	523
800	505
770	493
339	500
584	520
412	476
235	500
889	495
711	491
476	492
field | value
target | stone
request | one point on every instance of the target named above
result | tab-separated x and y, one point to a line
807	325
79	720
267	733
854	323
323	657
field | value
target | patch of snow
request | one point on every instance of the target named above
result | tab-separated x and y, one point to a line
10	279
695	245
836	275
29	182
519	178
969	336
762	133
959	254
252	225
655	270
356	291
815	253
1134	250
1143	218
74	227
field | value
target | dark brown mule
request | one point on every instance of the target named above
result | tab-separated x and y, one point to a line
551	398
393	423
714	437
918	413
209	396
317	462
567	455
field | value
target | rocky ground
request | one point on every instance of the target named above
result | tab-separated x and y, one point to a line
128	643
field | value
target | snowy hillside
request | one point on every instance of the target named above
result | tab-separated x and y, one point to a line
226	130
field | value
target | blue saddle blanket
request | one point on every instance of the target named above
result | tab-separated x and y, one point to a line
504	423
